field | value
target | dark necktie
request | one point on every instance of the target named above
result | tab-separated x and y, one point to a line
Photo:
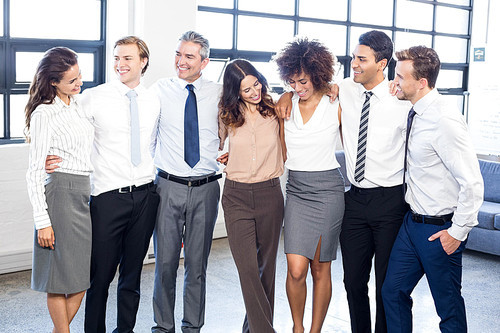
191	134
409	122
135	137
359	171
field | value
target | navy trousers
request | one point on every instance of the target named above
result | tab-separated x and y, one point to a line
412	256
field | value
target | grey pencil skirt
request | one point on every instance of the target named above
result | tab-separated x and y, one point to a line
314	209
66	269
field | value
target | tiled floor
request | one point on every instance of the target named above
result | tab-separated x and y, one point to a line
23	310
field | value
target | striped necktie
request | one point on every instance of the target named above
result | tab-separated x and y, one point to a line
359	172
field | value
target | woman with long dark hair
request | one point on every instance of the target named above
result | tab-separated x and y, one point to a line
252	197
56	125
315	187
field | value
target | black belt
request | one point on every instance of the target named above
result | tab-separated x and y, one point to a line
435	220
132	188
190	183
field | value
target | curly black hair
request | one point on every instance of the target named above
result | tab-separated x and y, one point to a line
306	56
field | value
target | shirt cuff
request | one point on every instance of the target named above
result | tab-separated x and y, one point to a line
42	220
458	232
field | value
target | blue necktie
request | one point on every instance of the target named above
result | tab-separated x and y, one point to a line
135	137
409	122
191	134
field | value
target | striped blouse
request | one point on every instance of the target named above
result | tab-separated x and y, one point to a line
62	130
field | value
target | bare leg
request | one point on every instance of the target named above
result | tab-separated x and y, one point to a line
73	302
58	313
296	288
322	290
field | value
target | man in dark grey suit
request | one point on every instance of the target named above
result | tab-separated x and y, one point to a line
186	152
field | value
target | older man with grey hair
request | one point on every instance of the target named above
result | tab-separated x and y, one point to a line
186	152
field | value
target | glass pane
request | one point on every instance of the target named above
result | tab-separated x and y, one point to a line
405	40
456	100
324	9
214	70
250	28
285	7
459	24
62	19
356	32
450	79
414	15
224	22
451	49
457	2
17	105
270	72
2	112
26	63
1	24
217	3
372	12
333	36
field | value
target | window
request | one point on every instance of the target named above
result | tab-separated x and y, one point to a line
24	38
257	29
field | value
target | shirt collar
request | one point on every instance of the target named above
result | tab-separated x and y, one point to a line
197	83
123	89
423	103
380	91
72	101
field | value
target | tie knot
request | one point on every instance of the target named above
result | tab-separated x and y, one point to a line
190	87
131	94
412	113
368	94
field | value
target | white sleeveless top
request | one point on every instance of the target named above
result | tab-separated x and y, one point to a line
311	146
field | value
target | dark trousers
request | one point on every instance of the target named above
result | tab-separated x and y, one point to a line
186	214
413	255
372	219
254	217
122	224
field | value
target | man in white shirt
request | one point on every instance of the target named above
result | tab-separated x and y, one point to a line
374	206
445	192
187	184
124	201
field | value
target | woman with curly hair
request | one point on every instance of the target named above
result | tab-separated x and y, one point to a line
252	198
315	187
56	125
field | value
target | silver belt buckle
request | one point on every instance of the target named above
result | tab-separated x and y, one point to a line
122	189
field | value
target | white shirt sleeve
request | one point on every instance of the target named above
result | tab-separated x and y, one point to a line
453	146
41	133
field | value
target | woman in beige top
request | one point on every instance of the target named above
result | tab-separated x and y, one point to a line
252	197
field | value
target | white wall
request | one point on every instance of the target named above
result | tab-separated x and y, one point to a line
484	84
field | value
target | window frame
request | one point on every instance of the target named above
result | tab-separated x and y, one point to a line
10	45
345	59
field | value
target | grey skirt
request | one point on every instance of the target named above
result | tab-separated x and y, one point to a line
314	209
66	269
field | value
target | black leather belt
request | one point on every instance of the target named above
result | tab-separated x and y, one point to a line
189	183
435	220
132	188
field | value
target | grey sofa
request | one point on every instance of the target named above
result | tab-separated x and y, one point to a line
485	237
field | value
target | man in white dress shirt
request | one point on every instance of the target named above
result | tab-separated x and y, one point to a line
188	187
445	192
374	206
124	201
